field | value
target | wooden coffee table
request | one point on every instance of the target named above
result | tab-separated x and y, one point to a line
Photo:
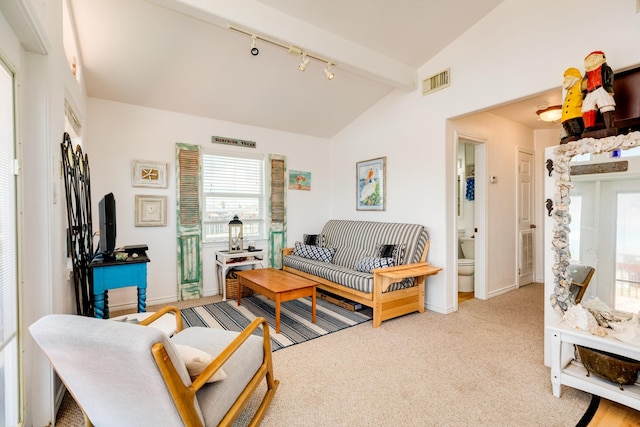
279	286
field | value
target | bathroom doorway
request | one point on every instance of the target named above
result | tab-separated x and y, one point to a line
471	186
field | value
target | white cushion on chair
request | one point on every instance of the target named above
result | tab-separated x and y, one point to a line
240	368
196	360
111	370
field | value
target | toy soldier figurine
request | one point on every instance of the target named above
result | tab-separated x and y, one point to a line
598	89
572	106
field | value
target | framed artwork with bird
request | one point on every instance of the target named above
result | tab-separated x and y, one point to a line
370	184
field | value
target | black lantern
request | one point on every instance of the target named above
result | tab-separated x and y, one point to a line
235	235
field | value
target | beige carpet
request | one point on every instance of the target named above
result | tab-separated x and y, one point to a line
481	366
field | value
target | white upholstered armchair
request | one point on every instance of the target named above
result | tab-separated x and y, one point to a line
124	374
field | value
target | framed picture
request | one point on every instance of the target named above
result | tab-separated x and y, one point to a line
148	174
300	180
151	211
370	185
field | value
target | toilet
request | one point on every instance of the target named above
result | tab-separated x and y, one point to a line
466	265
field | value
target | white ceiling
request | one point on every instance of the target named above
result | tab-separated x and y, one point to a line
180	55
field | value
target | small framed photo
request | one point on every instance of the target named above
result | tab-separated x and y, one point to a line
148	174
299	180
151	211
370	185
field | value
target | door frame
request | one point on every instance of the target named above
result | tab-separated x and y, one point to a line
480	215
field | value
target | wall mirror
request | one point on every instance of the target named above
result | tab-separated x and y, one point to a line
561	298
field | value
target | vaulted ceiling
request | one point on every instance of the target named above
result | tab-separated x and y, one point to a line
183	55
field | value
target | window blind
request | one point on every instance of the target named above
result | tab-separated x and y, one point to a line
233	185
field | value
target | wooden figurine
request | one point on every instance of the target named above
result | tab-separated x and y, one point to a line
572	106
597	87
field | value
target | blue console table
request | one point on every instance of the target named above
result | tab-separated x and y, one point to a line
118	274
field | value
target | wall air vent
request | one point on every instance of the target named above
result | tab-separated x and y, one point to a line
435	82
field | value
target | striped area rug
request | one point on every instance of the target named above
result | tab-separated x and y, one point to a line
295	318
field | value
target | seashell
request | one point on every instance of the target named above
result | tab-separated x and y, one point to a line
579	318
599	331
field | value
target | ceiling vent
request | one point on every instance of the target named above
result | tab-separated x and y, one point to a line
435	82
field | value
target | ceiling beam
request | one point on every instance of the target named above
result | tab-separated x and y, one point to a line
261	20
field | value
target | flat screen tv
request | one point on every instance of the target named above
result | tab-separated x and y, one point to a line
107	217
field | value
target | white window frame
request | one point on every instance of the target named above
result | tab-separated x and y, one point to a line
215	229
10	362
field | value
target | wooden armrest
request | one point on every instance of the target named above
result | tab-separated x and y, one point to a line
407	270
164	310
386	276
287	251
232	348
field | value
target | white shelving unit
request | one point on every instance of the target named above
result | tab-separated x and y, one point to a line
565	370
226	260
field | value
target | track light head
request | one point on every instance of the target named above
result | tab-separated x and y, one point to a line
254	49
304	63
328	72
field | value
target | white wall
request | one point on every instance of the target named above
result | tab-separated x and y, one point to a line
519	50
115	134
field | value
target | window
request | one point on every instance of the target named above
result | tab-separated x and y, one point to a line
9	367
233	186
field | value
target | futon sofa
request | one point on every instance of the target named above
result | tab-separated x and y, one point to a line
378	264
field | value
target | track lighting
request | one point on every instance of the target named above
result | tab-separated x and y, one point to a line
254	49
304	63
306	57
328	72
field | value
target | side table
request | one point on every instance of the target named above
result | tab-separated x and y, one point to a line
226	260
107	275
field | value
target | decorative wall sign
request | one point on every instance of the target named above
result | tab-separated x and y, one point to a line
370	185
233	141
148	174
299	180
151	211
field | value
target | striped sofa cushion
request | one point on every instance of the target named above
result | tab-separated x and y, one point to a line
354	240
337	274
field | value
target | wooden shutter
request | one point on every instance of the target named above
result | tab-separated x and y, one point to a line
189	221
277	209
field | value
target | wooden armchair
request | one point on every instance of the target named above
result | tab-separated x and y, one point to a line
580	277
124	374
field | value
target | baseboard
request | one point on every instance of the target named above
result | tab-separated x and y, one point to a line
155	301
502	291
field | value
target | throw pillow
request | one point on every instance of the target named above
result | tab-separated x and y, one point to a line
367	263
314	252
312	239
196	360
395	251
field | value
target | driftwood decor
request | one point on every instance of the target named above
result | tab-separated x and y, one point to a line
77	185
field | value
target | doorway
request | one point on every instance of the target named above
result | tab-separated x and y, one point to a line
471	186
526	227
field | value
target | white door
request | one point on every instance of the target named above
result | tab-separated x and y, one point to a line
526	227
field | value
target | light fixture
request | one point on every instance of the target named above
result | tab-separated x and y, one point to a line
290	48
304	63
550	114
328	72
254	49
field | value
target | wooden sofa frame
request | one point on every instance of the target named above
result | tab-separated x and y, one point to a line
385	305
